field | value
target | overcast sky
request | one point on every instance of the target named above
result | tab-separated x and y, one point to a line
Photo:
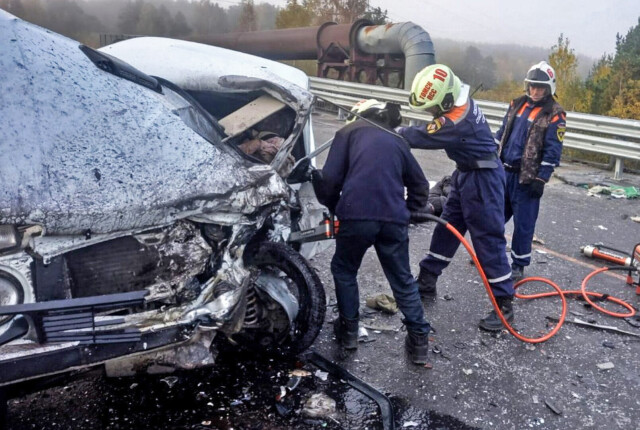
590	25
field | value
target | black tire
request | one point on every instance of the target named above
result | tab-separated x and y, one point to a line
310	294
3	410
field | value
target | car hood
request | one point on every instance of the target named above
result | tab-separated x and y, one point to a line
86	151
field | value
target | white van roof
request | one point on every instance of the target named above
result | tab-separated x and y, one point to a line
195	66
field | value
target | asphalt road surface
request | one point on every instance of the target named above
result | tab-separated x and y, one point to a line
581	378
498	381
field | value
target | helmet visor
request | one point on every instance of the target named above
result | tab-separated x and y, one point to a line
537	75
413	101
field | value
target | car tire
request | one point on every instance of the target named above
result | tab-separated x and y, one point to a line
3	409
310	294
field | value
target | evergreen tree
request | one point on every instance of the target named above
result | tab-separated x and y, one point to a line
248	20
209	18
179	27
595	86
294	15
625	70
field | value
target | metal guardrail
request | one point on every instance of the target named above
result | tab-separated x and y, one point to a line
618	138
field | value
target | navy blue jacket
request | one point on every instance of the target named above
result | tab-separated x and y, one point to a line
514	147
462	132
366	173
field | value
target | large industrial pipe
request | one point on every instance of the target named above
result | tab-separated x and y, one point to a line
405	38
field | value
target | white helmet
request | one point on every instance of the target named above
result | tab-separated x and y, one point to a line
364	105
385	113
541	74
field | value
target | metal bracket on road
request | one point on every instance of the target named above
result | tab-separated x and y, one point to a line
581	323
386	408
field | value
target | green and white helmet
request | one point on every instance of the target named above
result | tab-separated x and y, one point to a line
437	86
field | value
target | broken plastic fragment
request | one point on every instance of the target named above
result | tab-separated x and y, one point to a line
321	375
170	380
556	410
362	332
605	366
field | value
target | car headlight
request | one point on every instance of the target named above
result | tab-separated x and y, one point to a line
9	237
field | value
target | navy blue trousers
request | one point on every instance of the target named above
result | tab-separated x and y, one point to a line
391	242
475	204
524	209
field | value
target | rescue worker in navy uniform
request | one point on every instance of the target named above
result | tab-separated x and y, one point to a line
476	198
530	141
363	182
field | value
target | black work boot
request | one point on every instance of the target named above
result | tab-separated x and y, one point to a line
517	272
346	331
427	283
417	346
492	322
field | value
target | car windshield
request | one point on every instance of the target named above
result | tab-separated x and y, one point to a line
179	101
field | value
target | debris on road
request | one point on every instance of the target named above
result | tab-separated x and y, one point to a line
170	381
383	302
381	327
319	405
321	375
554	408
615	191
579	322
536	239
605	366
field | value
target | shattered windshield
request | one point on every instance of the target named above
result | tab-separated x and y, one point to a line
189	111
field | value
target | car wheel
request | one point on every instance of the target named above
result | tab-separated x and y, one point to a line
3	409
266	325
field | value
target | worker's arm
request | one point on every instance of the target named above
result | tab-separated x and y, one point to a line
552	148
434	135
328	183
416	184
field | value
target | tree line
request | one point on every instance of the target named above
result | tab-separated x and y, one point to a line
610	87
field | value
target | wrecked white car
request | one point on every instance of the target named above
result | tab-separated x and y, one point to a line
141	218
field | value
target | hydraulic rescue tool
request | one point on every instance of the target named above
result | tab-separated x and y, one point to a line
621	258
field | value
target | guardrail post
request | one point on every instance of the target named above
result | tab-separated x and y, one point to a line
618	169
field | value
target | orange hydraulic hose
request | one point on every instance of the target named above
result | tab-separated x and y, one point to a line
511	330
558	291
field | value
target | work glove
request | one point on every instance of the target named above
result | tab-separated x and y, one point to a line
536	188
301	172
418	216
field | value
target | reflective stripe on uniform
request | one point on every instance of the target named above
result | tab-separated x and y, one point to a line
520	256
546	163
500	279
439	257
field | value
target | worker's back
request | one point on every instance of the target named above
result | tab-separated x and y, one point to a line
371	167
